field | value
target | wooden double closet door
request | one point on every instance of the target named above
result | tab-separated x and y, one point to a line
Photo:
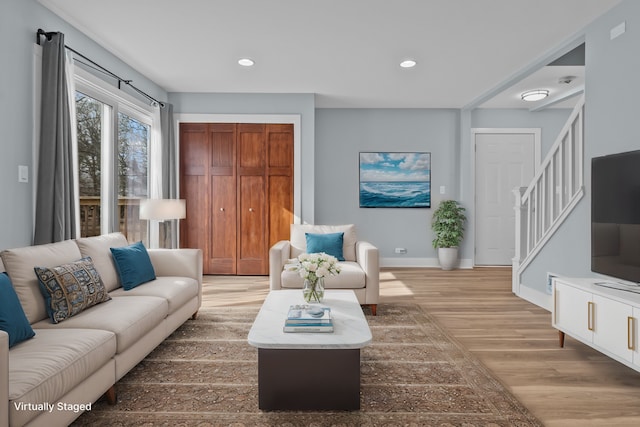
237	179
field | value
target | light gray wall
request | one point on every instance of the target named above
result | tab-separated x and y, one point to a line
611	115
19	21
342	133
550	121
263	104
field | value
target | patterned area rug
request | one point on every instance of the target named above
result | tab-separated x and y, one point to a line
414	373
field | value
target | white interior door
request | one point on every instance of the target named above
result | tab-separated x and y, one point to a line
503	161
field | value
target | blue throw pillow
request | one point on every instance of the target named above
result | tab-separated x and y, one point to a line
329	243
12	318
133	265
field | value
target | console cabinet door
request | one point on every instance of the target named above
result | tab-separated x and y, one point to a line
573	311
612	327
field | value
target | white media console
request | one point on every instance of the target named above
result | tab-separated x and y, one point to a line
600	313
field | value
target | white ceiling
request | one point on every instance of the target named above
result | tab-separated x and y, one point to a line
345	51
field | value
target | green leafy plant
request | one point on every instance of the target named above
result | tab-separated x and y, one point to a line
448	224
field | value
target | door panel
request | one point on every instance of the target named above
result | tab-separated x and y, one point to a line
251	226
194	152
223	224
280	208
503	161
222	237
251	148
280	181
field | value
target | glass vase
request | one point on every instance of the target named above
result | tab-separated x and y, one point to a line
313	291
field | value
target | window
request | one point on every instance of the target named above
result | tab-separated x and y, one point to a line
90	117
132	171
114	144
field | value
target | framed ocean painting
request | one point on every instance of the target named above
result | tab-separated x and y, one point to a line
395	180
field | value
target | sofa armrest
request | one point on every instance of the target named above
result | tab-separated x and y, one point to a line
4	378
278	256
178	262
368	257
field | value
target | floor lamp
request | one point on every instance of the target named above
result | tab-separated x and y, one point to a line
160	210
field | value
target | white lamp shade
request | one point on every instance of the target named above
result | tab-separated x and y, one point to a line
163	209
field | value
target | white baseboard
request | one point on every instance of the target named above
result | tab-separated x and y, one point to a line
541	299
420	262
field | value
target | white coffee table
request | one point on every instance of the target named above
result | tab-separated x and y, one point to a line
309	371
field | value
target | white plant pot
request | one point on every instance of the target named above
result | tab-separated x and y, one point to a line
448	258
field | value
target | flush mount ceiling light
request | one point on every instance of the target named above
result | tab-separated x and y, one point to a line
408	63
246	62
535	95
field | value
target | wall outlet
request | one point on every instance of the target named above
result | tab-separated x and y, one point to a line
401	250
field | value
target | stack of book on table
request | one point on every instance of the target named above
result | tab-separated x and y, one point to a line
308	318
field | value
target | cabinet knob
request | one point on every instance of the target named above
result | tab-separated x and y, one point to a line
221	209
250	209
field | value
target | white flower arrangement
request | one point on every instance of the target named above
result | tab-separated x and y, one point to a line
317	265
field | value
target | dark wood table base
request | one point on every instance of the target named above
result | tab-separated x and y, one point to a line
308	379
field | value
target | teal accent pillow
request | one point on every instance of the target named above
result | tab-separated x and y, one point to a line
133	265
69	289
12	318
329	243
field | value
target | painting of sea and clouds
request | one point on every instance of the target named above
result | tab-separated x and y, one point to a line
395	180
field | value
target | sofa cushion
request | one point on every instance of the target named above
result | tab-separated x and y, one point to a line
69	289
351	277
12	318
98	248
298	238
130	318
133	265
19	264
53	363
176	290
329	243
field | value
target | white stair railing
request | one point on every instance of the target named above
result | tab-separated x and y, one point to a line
553	193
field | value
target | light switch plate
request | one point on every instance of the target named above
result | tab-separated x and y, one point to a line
23	173
618	30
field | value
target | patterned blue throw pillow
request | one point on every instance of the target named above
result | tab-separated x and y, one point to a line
12	318
69	289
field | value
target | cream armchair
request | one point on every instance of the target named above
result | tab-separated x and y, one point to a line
359	271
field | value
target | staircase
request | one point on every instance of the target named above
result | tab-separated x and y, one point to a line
558	186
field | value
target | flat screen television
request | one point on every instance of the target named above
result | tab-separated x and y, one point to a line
615	215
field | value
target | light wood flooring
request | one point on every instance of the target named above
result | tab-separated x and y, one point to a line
570	386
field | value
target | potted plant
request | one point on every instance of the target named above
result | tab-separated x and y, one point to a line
448	224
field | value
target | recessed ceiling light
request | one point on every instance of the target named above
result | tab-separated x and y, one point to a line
246	62
535	95
408	63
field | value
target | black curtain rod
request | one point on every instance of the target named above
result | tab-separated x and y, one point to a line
48	35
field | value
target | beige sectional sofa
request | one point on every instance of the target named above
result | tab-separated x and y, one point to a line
53	377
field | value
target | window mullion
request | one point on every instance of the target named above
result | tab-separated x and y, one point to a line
107	167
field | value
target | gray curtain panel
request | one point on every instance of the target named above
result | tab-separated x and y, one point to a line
55	201
169	171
